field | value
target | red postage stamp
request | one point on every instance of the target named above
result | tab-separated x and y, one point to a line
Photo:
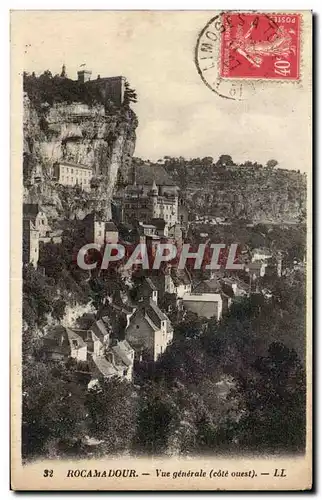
260	46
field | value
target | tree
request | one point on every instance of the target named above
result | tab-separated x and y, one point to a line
157	413
130	94
224	161
207	160
112	413
53	413
274	396
271	164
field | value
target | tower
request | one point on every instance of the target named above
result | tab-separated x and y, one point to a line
84	75
30	243
63	73
154	194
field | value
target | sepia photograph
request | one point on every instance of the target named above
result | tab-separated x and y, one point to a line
161	250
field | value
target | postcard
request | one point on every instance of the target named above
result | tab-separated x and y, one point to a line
161	250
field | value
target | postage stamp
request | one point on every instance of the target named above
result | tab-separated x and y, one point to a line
238	54
260	46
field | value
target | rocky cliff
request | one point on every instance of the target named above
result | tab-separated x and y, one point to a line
102	137
248	191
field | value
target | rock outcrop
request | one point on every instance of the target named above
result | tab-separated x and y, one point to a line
94	135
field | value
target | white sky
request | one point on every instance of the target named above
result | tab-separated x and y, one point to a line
178	115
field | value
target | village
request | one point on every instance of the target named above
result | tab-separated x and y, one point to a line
148	210
160	292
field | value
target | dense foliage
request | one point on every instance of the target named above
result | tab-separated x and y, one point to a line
54	89
48	89
235	385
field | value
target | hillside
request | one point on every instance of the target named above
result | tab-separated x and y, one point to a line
246	191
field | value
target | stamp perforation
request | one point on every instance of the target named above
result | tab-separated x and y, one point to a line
251	82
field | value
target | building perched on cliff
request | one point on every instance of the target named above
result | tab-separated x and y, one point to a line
112	88
73	174
151	194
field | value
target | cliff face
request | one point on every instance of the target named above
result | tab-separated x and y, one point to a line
260	200
88	134
244	191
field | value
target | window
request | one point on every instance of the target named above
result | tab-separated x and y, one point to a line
72	170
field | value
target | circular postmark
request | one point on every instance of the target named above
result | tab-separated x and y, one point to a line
208	53
238	53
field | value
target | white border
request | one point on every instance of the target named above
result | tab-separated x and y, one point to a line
5	6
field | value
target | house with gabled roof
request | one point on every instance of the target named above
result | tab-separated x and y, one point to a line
149	332
105	357
101	329
62	343
178	281
117	360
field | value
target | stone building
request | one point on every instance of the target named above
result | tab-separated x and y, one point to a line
35	228
73	174
206	305
34	213
112	88
30	248
62	343
94	228
104	357
178	281
97	230
149	331
151	194
111	232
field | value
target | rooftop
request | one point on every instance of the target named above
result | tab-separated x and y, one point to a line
77	165
155	313
202	297
123	351
104	367
208	286
63	339
110	226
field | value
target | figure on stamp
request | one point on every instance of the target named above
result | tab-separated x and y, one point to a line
280	44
